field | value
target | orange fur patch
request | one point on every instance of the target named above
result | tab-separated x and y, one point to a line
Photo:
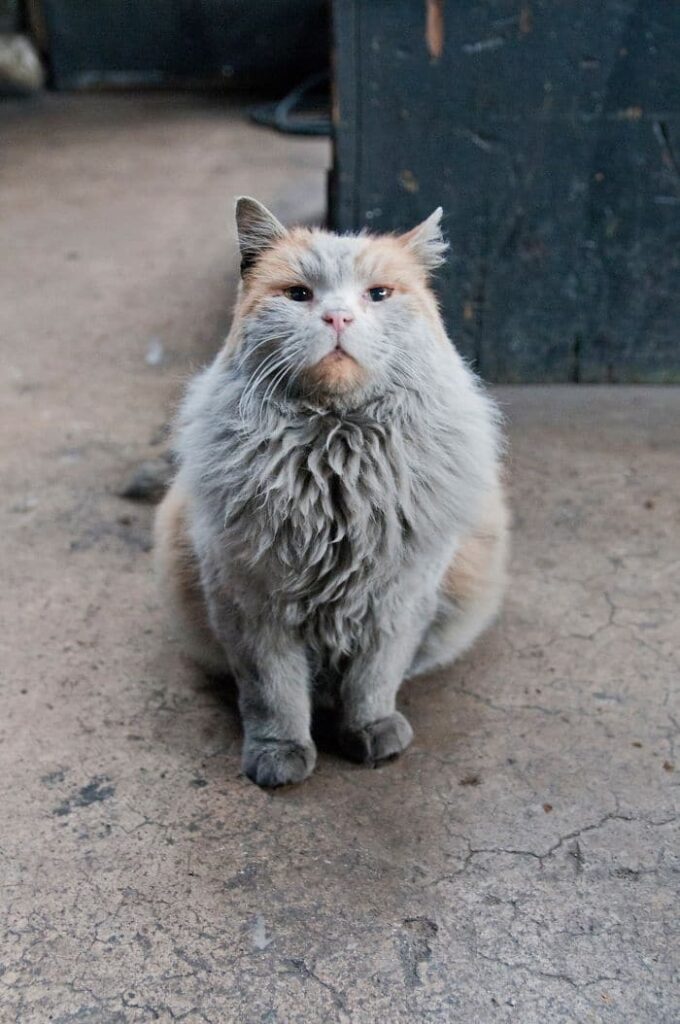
481	556
172	541
274	270
386	260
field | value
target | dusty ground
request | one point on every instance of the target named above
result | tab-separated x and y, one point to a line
518	864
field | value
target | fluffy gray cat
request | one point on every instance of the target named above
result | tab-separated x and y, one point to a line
337	522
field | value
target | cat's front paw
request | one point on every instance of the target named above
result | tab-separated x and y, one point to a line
377	741
273	763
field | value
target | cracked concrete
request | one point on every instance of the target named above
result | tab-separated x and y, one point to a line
519	864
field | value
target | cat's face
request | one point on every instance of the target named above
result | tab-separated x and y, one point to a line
328	315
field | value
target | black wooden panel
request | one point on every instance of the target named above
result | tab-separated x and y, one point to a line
9	16
550	133
126	41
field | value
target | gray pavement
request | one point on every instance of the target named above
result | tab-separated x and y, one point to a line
518	864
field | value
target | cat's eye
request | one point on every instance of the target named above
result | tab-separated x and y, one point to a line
299	293
379	294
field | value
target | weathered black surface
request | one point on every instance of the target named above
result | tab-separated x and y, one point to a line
9	16
127	41
550	133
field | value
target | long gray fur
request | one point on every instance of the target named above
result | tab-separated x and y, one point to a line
323	529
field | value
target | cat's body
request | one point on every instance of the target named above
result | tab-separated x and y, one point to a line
337	522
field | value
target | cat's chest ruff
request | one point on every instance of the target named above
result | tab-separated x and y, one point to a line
333	505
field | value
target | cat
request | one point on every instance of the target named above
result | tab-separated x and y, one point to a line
337	522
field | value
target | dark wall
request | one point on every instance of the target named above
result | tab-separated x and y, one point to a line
550	133
252	42
9	16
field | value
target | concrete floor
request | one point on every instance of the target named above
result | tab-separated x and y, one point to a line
520	863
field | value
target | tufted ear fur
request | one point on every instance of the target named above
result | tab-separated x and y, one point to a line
257	230
426	241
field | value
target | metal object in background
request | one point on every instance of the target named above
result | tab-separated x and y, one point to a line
305	110
550	133
247	42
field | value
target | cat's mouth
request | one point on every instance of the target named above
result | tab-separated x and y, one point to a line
336	371
338	353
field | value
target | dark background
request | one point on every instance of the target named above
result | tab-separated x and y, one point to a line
547	130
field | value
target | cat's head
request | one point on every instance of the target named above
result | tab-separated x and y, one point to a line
334	316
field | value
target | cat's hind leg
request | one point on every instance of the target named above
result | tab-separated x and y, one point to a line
178	575
471	591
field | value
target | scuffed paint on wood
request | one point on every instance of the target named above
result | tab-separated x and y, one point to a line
560	179
434	27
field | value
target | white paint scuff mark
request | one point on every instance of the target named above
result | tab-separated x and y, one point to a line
260	938
494	43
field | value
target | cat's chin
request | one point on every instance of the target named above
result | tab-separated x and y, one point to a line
338	373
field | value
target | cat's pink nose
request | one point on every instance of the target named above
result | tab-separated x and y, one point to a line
338	319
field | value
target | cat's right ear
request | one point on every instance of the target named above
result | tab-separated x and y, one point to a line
257	228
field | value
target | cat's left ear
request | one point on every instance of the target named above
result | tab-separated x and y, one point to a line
257	228
426	241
